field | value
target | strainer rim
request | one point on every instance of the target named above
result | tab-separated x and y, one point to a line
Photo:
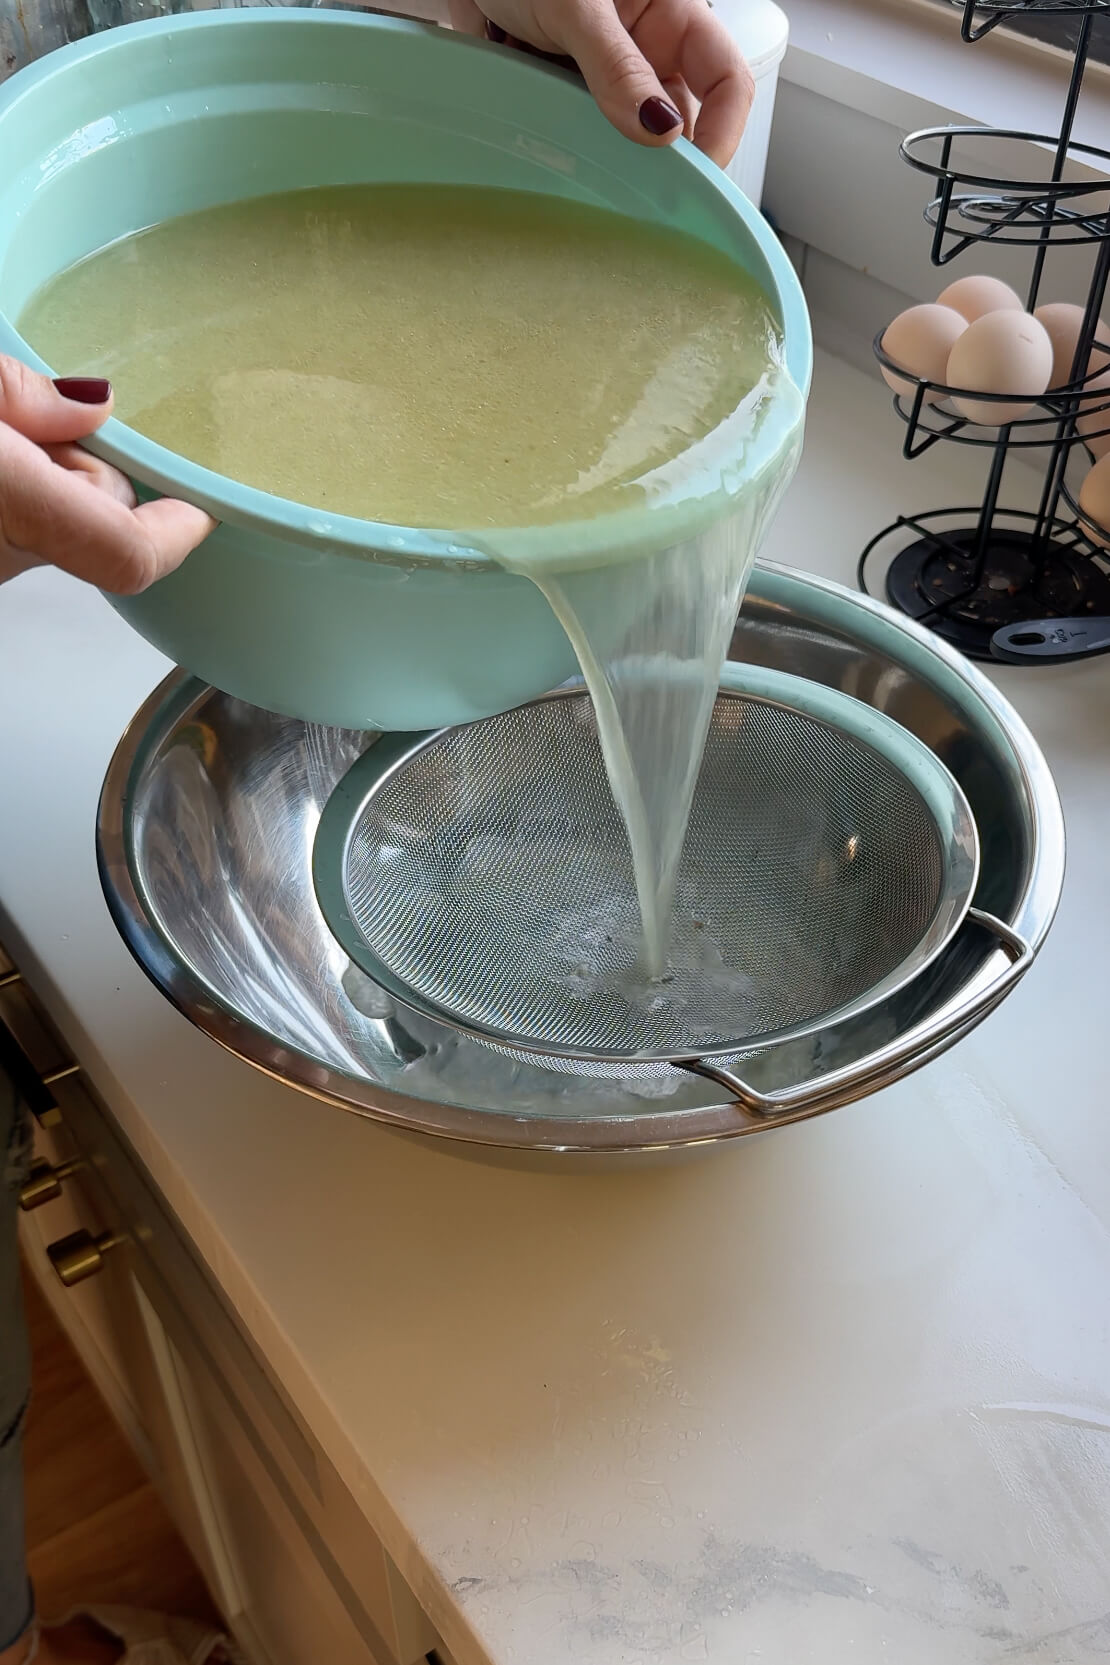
897	746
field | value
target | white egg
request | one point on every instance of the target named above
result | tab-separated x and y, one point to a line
919	340
1003	352
1063	321
1094	500
1088	422
974	297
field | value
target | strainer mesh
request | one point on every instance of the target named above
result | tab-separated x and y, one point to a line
491	875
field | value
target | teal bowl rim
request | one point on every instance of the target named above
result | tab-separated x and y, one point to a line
297	524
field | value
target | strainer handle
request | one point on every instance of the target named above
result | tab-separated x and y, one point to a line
880	1069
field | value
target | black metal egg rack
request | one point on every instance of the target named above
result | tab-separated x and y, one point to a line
971	573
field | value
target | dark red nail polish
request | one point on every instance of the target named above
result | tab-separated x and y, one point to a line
495	32
84	390
659	117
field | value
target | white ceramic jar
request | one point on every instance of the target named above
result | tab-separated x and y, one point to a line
761	30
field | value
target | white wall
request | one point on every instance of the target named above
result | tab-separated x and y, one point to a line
852	210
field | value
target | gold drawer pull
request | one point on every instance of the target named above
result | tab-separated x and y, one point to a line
62	1073
80	1255
44	1182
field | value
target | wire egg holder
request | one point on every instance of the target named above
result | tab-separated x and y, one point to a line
970	572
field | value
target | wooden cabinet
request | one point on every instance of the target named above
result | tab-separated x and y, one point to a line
105	1319
290	1560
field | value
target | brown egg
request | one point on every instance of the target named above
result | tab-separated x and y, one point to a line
920	340
974	297
1063	321
1088	422
1003	352
1094	500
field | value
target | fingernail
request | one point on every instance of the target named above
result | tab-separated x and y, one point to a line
659	117
84	390
495	32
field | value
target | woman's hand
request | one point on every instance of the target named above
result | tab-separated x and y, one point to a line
656	67
61	507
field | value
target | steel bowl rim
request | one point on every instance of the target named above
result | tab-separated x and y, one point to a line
1031	915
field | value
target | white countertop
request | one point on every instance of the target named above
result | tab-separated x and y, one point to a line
840	1393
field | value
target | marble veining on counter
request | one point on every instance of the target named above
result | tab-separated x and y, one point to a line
837	1395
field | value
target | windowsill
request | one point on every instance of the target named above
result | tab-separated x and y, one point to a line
903	62
861	74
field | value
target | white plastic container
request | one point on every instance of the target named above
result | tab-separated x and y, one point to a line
761	31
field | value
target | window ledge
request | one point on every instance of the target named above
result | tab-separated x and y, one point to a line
903	62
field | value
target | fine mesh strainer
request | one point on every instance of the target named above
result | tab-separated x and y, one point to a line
482	876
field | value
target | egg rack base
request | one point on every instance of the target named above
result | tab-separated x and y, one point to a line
942	572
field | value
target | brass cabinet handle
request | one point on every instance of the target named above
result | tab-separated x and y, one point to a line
81	1255
50	1078
44	1182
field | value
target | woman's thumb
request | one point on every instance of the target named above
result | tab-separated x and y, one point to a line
622	81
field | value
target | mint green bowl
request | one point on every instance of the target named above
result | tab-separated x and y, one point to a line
326	618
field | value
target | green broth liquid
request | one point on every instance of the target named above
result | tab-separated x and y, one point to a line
420	355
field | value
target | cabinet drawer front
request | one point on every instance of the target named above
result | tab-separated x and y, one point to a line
285	1598
190	1308
103	1317
379	1605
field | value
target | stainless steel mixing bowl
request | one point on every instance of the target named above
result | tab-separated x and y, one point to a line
205	835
